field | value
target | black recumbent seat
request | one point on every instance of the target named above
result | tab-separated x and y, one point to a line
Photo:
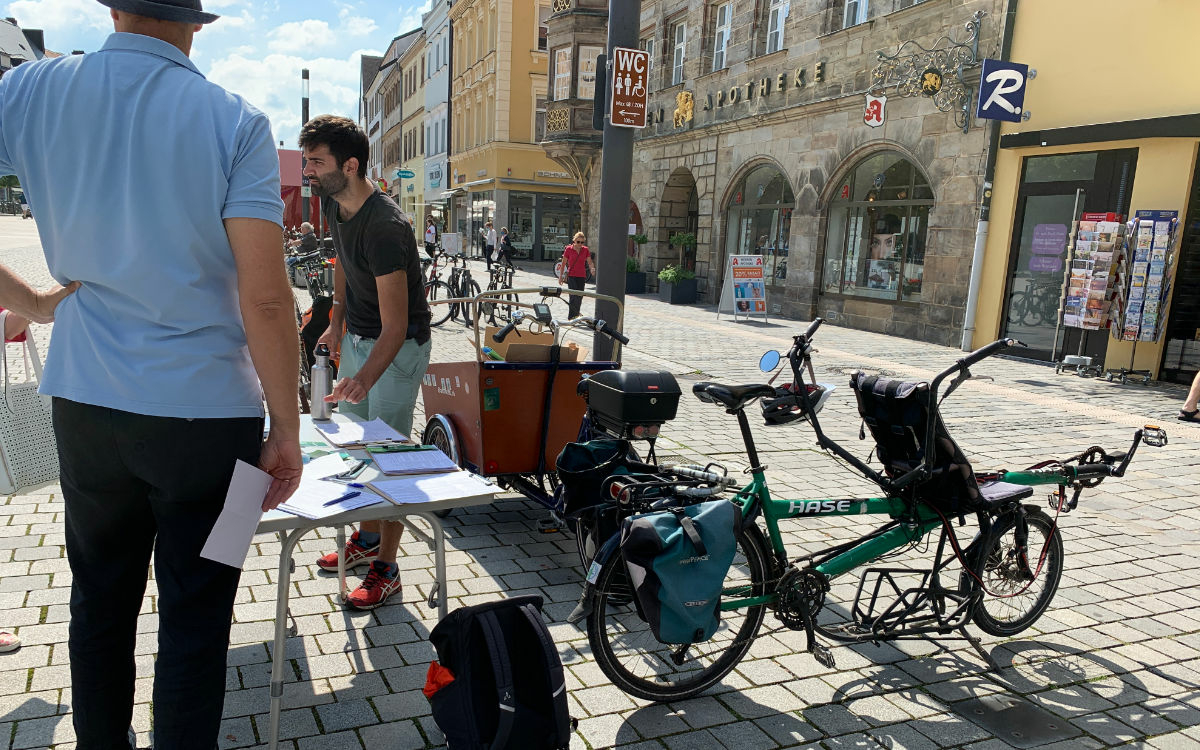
732	397
898	415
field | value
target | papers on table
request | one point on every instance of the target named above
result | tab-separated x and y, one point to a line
343	431
316	498
423	460
325	466
230	538
428	489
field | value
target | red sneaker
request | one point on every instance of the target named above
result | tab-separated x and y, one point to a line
375	589
356	555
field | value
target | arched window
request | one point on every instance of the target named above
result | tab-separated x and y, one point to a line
759	220
875	240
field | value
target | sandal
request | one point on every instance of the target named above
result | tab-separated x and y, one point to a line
1189	416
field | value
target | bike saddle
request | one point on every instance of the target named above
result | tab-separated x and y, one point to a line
732	397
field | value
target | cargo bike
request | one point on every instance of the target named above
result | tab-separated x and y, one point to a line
508	418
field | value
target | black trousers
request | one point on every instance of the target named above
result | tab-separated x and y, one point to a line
136	485
575	301
487	254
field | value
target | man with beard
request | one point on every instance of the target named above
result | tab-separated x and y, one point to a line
379	296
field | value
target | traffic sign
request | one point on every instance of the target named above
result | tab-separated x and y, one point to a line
627	92
406	174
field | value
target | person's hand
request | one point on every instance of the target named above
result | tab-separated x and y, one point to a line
348	389
281	459
331	340
48	300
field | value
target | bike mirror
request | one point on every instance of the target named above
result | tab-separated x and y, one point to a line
769	361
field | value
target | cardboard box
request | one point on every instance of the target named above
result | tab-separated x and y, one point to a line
530	347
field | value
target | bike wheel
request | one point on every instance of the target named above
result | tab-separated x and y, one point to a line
1006	574
507	306
435	290
487	308
470	309
635	661
440	433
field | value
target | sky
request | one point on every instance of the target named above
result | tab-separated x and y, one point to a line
258	47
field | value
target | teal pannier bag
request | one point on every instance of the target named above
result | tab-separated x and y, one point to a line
677	560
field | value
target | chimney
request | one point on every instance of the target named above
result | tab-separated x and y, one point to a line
11	20
76	52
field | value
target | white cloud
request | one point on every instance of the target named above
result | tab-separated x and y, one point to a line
356	25
60	15
227	21
412	19
272	83
300	36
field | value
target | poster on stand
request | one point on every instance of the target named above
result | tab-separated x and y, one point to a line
744	292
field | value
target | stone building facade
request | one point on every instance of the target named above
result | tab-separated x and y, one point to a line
759	145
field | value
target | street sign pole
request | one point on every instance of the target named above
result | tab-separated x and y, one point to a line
617	165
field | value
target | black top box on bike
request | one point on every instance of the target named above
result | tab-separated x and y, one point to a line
621	400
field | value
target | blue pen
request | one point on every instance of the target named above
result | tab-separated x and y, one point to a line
337	500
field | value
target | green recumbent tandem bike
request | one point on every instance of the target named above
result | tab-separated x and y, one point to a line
1003	579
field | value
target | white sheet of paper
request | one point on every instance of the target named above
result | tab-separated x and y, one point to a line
230	538
311	497
341	430
414	462
431	488
325	466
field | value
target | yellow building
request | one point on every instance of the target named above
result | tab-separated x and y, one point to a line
411	190
1113	127
498	172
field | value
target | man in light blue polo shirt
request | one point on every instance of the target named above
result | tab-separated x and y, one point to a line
159	192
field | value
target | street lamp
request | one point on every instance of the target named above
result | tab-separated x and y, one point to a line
305	190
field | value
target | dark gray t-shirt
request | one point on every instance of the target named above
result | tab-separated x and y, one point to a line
376	241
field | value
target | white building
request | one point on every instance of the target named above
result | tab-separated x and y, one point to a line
437	108
370	113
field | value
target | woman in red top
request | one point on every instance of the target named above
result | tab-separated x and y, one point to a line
576	262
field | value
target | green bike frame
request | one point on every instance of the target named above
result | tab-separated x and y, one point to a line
896	509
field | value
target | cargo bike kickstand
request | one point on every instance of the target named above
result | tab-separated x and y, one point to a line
1006	576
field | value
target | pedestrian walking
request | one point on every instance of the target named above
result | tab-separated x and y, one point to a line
158	364
378	295
505	249
431	236
1191	405
576	264
489	243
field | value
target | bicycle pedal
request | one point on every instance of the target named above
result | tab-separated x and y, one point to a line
823	655
549	526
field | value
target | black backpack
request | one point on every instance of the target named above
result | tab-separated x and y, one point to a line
498	682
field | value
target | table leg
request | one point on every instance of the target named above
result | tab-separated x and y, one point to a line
341	549
288	544
438	543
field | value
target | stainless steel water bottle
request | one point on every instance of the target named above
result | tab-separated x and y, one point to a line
322	384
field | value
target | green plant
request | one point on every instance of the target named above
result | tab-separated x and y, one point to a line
675	274
631	265
640	239
682	239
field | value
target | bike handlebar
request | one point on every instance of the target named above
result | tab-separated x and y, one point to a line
974	357
812	328
607	330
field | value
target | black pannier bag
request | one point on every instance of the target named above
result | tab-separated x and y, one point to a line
898	415
498	682
583	467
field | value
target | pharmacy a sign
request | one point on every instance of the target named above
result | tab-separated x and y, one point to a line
873	113
1002	90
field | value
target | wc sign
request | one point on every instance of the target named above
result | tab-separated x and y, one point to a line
1002	91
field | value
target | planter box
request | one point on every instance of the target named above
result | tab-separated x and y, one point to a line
680	293
635	282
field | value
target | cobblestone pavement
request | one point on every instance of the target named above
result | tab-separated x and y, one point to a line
1114	662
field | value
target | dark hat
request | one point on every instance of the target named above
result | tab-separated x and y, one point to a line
183	11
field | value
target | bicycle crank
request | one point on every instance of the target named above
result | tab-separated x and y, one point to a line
801	598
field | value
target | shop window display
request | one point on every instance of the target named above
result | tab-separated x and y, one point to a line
759	220
875	237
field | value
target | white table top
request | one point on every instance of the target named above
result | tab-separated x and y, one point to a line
282	521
